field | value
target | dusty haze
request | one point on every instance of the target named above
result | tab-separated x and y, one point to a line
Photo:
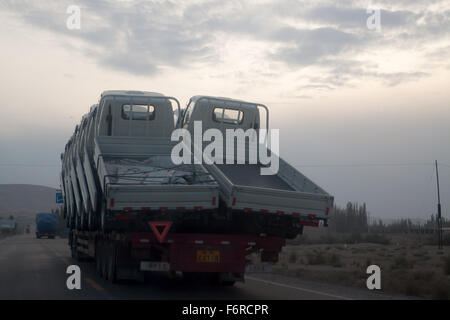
363	113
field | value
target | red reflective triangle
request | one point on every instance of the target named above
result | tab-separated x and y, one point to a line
160	236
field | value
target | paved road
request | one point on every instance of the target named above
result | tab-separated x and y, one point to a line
36	269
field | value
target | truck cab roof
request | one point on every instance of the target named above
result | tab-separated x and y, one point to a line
130	93
198	97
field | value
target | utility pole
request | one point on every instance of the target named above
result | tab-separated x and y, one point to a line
439	216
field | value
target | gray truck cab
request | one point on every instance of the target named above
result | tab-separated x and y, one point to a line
221	113
135	113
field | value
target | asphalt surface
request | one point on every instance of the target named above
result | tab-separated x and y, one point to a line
33	268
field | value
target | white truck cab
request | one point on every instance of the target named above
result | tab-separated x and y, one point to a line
222	113
135	113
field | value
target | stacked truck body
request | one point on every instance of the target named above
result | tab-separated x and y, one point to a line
133	210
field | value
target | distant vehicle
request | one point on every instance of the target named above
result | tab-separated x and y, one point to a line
46	225
8	226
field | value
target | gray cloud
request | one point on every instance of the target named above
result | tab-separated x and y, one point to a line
310	46
354	17
140	37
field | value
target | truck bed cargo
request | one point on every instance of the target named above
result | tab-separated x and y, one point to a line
242	186
137	173
249	175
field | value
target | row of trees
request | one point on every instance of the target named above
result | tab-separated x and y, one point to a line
354	219
351	219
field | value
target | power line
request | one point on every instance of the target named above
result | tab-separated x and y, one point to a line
27	165
298	164
368	165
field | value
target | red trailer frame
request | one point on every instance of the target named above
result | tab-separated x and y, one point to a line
128	255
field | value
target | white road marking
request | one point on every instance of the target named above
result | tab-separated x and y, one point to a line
300	289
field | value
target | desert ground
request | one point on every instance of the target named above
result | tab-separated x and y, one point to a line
411	264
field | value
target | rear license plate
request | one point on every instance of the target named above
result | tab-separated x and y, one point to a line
154	266
211	256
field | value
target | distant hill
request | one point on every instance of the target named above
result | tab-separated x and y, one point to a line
25	200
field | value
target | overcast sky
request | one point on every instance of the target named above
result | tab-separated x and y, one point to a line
362	112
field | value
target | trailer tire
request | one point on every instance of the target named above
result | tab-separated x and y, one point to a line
228	283
98	259
111	265
104	266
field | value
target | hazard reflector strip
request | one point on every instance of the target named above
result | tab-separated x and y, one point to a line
309	223
124	217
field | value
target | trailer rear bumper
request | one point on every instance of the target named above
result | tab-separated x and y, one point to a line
130	255
49	235
208	253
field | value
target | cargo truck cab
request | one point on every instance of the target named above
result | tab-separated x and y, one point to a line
135	114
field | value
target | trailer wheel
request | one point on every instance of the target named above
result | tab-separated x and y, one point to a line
104	263
98	259
111	264
227	283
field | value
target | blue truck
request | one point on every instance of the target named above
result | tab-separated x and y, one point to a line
46	225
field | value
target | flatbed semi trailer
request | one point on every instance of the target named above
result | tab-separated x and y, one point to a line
132	210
